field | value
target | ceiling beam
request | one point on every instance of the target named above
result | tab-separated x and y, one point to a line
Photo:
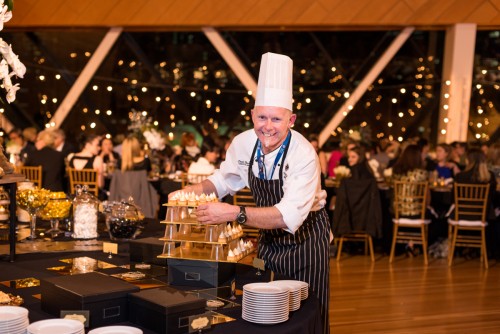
364	84
86	75
231	59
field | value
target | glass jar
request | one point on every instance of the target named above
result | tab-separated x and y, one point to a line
22	215
4	206
85	214
123	221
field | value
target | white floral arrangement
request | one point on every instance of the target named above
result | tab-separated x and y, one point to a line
355	135
155	139
10	59
342	172
387	173
12	148
374	165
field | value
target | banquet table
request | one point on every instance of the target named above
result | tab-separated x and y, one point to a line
304	320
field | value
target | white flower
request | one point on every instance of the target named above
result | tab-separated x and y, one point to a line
11	93
5	15
342	171
12	59
355	135
7	82
374	165
4	69
155	139
9	59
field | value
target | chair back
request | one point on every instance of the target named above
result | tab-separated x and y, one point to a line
410	199
244	198
194	178
471	201
32	173
83	177
135	183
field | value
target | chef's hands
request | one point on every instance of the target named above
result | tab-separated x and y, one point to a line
216	213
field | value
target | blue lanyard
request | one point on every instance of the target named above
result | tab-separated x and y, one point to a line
260	158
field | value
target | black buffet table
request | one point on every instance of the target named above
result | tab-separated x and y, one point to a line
305	320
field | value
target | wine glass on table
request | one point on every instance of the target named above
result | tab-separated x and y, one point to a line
32	200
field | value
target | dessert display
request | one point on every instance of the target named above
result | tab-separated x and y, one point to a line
185	238
190	199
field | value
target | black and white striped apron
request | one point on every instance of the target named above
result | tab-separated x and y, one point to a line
303	255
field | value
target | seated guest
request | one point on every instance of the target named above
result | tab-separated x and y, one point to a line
133	156
205	163
458	154
334	159
476	172
323	162
494	159
410	165
61	145
52	162
132	180
22	147
30	134
107	154
358	164
445	168
88	157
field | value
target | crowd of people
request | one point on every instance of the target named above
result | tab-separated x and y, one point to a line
415	160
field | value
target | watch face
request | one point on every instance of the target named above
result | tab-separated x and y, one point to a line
242	217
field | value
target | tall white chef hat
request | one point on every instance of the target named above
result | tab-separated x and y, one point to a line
274	88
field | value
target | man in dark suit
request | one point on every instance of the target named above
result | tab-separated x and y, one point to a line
61	145
52	162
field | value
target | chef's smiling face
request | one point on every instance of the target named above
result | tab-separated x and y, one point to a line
271	125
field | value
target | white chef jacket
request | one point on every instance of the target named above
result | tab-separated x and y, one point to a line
301	175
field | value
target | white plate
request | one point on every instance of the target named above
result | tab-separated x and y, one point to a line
265	322
56	326
116	330
264	288
9	313
265	312
15	325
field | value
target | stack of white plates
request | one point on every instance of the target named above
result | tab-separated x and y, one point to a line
304	287
116	330
56	326
13	320
294	288
264	303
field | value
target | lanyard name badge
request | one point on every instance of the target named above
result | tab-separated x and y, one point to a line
262	167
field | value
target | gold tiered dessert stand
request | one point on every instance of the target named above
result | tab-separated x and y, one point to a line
186	239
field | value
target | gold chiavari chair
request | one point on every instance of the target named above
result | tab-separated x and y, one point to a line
409	223
471	201
191	178
83	177
32	173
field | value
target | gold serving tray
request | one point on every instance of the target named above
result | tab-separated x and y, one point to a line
197	238
194	254
189	221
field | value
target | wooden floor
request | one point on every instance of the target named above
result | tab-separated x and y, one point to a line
407	297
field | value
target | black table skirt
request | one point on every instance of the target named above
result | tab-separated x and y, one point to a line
305	320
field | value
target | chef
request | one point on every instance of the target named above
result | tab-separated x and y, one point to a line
283	172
